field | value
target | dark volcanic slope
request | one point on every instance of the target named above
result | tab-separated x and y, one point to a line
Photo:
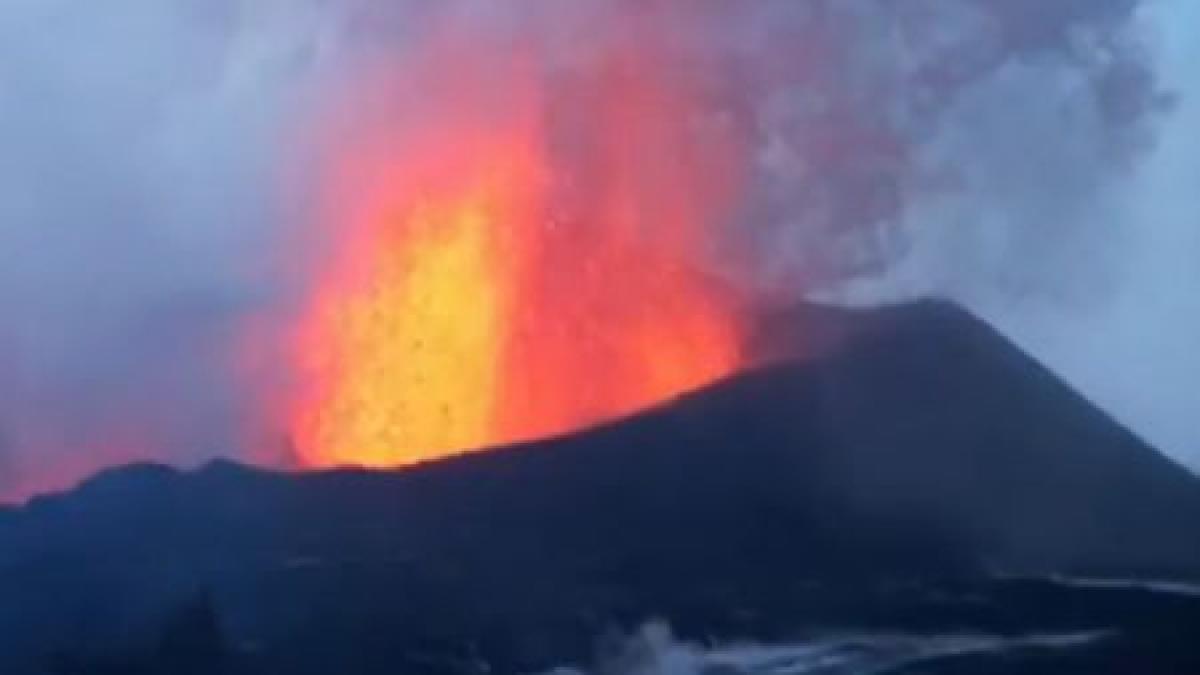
923	447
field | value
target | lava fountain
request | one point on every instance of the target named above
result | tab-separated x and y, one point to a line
512	249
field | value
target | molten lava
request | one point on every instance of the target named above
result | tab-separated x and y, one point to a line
512	254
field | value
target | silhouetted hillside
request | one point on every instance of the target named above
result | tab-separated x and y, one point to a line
897	481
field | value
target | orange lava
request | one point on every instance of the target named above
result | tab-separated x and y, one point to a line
511	254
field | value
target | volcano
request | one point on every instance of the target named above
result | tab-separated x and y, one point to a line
920	475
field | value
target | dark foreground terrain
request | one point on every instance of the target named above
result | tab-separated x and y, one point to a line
921	483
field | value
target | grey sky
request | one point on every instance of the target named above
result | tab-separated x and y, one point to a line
1102	286
1137	350
136	199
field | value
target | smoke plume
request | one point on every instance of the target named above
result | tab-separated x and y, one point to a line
154	189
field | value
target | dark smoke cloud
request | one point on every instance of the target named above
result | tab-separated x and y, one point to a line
146	143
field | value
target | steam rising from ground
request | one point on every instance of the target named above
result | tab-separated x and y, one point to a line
654	650
154	155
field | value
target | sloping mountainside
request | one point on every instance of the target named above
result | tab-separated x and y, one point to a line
921	475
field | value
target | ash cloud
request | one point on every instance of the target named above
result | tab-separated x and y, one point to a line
1016	114
894	148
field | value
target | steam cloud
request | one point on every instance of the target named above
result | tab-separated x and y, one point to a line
923	146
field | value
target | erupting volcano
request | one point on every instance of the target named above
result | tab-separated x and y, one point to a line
513	251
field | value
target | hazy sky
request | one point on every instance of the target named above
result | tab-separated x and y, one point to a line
1136	349
147	145
1108	293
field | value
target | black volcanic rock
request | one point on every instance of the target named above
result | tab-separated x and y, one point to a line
920	451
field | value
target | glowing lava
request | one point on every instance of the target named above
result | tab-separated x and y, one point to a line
507	260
